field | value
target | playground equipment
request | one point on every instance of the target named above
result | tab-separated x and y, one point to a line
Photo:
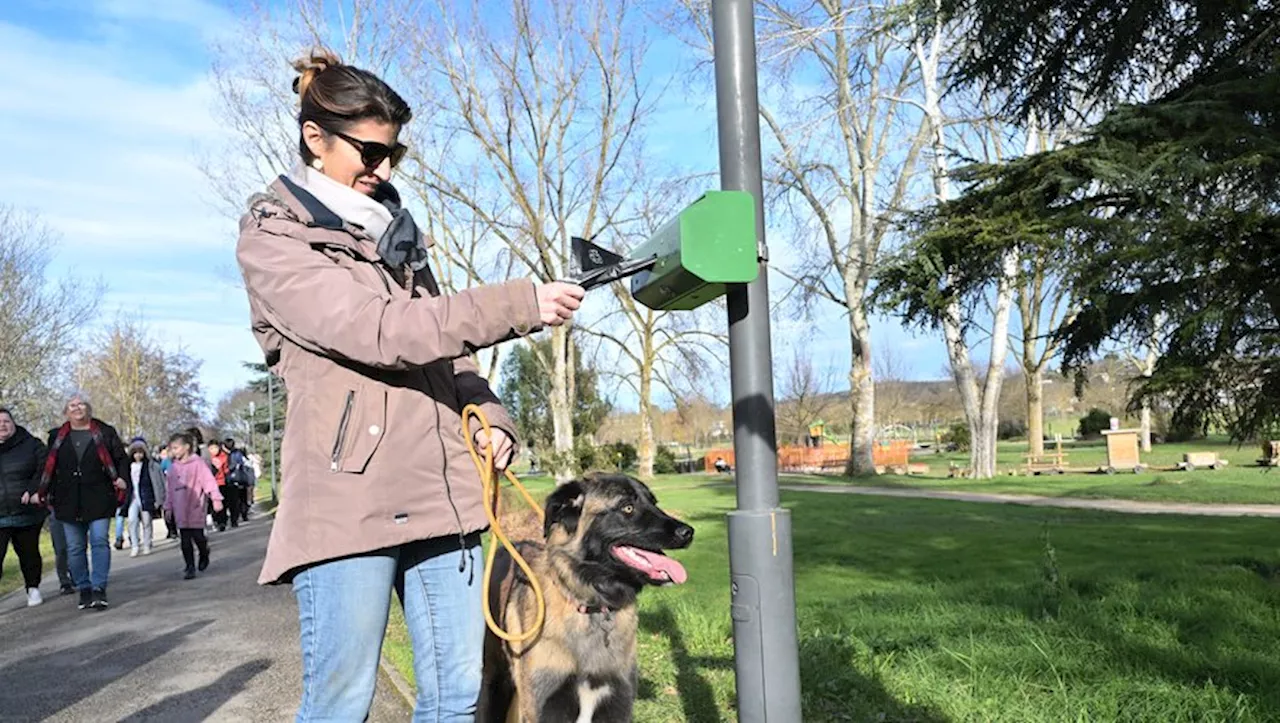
1122	450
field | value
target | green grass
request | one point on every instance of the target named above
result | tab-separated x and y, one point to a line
1240	482
11	579
924	610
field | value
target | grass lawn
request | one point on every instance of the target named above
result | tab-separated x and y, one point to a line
922	610
1240	482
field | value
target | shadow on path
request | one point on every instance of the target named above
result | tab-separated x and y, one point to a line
199	704
46	683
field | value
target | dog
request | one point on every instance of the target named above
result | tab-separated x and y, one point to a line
603	538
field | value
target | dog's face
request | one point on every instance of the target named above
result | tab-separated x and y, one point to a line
613	529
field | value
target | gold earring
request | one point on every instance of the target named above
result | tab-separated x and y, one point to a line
317	164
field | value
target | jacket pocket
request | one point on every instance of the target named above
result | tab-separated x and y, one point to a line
361	427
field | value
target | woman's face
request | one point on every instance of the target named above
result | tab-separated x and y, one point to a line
341	158
7	427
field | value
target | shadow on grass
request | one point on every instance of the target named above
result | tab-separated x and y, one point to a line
697	696
833	690
1129	599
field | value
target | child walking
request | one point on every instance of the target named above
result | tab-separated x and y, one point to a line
189	483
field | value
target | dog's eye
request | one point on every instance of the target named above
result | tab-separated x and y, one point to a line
629	510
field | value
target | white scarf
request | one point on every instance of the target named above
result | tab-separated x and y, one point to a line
351	205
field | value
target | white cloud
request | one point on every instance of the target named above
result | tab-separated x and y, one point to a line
99	130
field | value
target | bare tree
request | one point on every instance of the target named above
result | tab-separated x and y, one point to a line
845	147
1143	355
892	403
668	350
545	96
39	318
137	384
806	396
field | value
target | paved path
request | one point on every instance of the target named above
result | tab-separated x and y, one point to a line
219	647
1078	503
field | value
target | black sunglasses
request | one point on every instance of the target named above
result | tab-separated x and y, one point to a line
373	153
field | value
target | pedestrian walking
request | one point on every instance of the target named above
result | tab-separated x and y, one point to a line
21	517
218	459
144	496
339	288
81	479
189	485
240	479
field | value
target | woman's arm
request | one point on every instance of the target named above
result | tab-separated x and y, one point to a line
474	389
41	454
322	307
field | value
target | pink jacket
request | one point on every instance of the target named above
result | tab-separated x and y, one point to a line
187	484
377	366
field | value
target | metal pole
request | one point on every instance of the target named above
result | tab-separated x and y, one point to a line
766	652
271	426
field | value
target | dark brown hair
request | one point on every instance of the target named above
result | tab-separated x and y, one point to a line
335	96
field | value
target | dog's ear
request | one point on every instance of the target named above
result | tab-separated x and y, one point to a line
564	507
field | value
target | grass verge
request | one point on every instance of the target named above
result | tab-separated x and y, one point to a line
923	610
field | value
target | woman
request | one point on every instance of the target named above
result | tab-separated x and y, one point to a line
378	492
143	497
21	459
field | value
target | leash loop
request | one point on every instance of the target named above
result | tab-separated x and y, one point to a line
484	466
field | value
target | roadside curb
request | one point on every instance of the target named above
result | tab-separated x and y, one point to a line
398	682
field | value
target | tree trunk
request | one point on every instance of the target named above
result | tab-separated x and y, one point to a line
862	394
562	461
1035	410
646	450
1149	368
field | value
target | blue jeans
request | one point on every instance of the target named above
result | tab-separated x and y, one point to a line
342	609
96	535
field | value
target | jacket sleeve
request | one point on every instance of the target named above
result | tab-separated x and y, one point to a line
168	492
474	389
210	483
45	487
118	456
41	453
159	485
320	306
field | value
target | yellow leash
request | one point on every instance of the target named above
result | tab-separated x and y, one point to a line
484	465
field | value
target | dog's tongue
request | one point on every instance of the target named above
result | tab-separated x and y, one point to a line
657	566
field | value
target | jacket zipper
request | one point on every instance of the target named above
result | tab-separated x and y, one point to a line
342	431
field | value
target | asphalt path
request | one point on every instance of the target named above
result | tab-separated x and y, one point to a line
217	648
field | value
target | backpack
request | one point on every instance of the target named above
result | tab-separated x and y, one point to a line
238	474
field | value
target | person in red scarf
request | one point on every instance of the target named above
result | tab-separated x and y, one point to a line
81	482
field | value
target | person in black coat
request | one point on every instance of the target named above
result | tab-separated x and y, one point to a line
21	458
83	482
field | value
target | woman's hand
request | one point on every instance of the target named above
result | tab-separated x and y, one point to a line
120	485
557	301
30	498
503	447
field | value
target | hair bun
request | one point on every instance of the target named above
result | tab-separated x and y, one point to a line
309	66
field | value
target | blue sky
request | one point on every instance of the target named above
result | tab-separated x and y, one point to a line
106	111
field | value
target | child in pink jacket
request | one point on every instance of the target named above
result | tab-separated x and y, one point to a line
188	483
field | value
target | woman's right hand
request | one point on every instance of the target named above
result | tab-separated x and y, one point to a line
557	301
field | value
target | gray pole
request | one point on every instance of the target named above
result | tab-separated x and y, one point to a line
766	652
271	426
